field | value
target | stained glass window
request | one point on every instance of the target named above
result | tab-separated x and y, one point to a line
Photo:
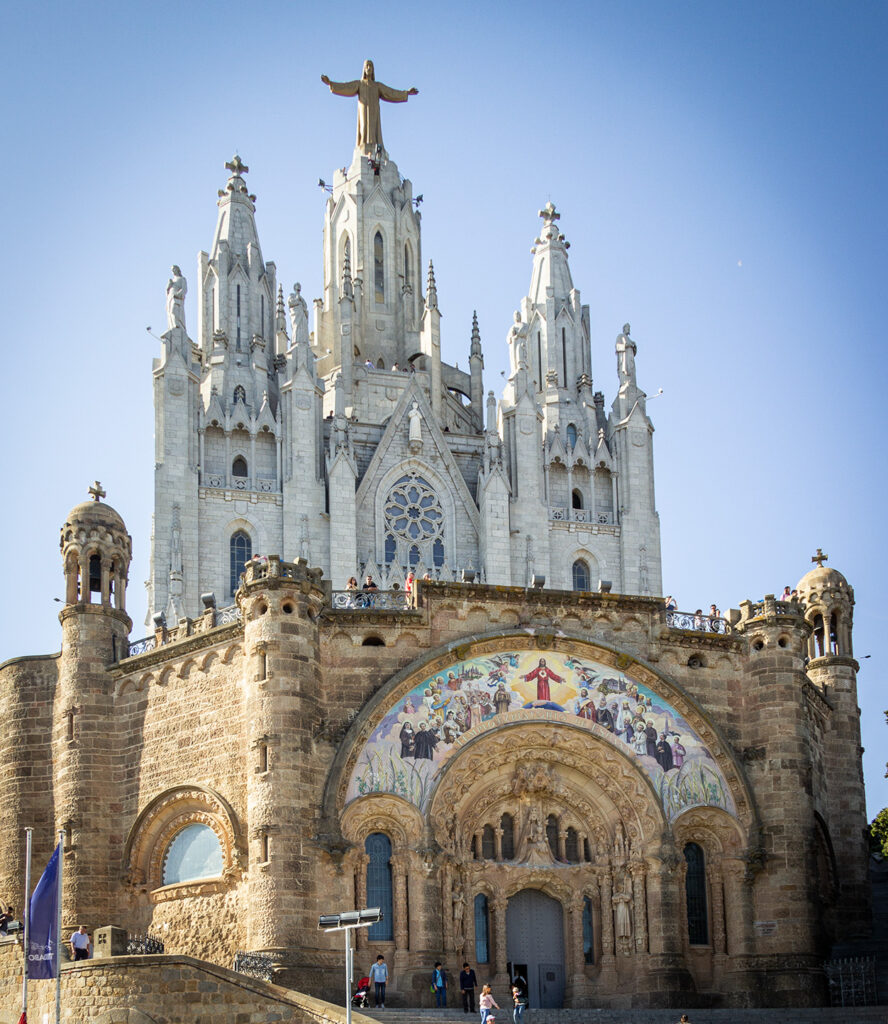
588	934
695	891
482	930
240	552
379	885
414	523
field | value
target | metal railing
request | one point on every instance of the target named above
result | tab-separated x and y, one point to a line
143	945
377	600
141	646
851	981
221	617
254	965
562	514
697	621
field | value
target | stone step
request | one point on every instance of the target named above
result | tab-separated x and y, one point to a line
814	1015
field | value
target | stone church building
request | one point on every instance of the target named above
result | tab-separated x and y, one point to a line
518	752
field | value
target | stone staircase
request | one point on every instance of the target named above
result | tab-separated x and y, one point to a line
824	1015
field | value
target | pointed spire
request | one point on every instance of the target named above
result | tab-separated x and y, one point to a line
280	314
347	289
431	289
476	335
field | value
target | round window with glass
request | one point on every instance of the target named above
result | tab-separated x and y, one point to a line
414	523
194	853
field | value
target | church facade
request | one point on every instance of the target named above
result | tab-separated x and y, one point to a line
622	804
272	439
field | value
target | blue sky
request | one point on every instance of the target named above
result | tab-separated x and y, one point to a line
719	168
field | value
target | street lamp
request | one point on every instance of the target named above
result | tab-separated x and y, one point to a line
347	922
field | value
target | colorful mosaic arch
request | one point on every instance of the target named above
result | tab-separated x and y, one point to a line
417	735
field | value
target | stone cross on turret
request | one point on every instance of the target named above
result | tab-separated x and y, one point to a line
549	214
819	558
237	167
97	492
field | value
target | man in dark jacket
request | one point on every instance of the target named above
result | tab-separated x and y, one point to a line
467	983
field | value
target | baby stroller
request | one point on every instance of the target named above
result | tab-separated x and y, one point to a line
360	997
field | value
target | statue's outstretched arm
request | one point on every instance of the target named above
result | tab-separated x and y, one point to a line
342	88
390	95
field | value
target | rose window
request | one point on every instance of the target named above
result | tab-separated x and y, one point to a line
414	523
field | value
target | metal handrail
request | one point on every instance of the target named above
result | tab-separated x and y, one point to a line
372	600
697	622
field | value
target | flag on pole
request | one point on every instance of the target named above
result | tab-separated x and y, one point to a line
43	918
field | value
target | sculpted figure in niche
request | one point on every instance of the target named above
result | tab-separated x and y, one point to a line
369	93
622	902
176	290
459	908
415	428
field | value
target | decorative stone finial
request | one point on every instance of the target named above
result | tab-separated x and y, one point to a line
97	492
431	288
476	335
237	167
548	213
819	558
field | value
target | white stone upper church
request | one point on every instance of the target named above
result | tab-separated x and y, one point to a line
357	447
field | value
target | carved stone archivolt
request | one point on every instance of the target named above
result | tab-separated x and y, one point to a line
382	812
158	824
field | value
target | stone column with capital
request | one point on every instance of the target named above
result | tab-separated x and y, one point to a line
361	862
400	911
717	901
501	957
638	871
577	986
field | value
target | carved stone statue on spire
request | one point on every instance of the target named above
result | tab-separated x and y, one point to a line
176	290
626	349
298	315
369	93
518	342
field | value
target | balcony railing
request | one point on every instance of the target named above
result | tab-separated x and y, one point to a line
376	600
187	627
562	514
698	622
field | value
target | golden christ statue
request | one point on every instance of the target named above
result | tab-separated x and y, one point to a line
369	93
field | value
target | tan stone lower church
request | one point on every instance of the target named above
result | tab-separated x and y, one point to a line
622	804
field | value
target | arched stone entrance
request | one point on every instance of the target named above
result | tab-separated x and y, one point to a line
535	946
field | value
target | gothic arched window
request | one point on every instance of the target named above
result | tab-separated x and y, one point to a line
695	893
194	853
239	466
390	549
588	934
580	575
378	267
572	846
571	434
414	519
379	885
488	844
552	834
408	267
240	394
507	824
240	551
482	930
576	498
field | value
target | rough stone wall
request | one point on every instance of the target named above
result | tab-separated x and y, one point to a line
160	990
27	692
